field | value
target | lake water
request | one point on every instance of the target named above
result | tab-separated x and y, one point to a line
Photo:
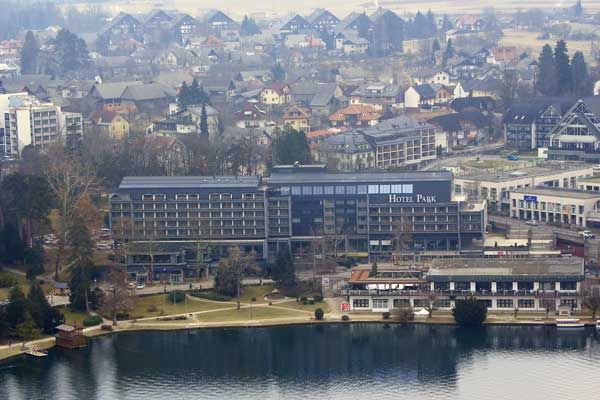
361	361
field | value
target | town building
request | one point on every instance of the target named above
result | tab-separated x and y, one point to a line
536	285
298	118
528	124
27	121
298	207
323	20
463	128
276	94
250	116
496	187
379	95
552	205
577	135
111	124
355	116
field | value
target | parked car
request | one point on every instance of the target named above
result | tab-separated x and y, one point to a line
531	222
513	157
586	234
140	286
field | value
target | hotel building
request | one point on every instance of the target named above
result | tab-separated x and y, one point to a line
371	215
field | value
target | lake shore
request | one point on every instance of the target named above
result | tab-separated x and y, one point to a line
155	324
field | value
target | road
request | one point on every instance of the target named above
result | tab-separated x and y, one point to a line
539	228
204	284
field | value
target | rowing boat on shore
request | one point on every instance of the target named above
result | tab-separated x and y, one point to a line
569	323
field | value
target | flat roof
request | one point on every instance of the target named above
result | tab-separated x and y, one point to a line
591	179
358	177
558	192
506	269
187	182
526	172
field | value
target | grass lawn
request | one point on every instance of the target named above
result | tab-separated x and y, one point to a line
162	307
22	281
255	291
72	317
308	307
245	314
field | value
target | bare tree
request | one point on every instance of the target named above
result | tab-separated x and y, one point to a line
590	297
119	298
70	181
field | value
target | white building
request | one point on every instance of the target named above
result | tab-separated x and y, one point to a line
546	204
26	121
495	187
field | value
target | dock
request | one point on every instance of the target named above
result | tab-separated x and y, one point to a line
35	352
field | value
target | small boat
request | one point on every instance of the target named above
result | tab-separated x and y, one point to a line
36	352
569	323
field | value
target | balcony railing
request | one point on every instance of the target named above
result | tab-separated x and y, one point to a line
458	293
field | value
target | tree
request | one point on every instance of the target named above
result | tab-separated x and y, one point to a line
590	297
29	54
373	272
446	24
563	68
228	280
547	76
27	330
17	307
578	9
45	317
319	314
79	286
12	248
431	299
469	312
71	51
119	299
26	200
449	52
278	72
510	84
249	27
34	258
580	79
203	121
283	272
291	146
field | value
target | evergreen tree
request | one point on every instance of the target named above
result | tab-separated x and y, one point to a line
563	68
446	24
29	54
283	271
580	79
184	98
16	308
249	27
547	76
34	258
469	312
79	286
278	72
431	24
578	9
12	248
203	121
45	317
363	25
373	273
449	52
291	146
71	51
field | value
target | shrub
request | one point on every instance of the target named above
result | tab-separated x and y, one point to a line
469	312
311	302
92	320
7	281
303	298
106	327
404	314
305	303
253	299
176	297
345	318
386	315
210	296
317	298
319	314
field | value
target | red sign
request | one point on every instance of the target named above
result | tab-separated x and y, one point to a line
345	306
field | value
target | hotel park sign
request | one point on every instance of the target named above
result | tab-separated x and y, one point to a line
418	198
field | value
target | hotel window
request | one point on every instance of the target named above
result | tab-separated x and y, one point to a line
307	190
569	302
284	190
362	189
328	189
421	302
526	303
568	286
360	303
373	189
408	189
384	189
462	286
340	190
296	190
317	190
442	303
401	303
380	303
504	303
501	286
350	189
